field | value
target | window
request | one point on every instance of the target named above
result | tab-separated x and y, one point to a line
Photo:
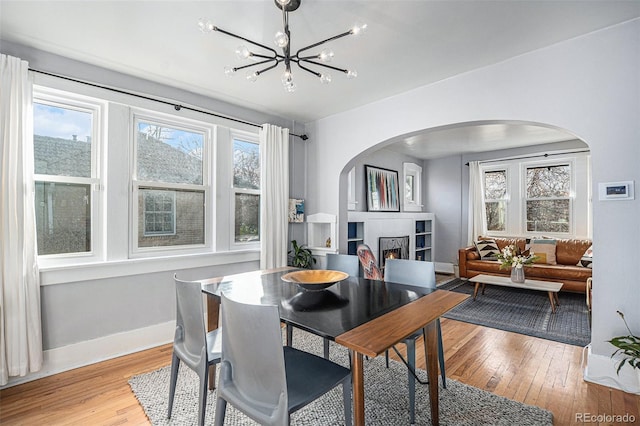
170	183
65	138
548	198
495	200
246	189
412	189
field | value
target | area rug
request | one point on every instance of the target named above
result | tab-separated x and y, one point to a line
386	400
523	311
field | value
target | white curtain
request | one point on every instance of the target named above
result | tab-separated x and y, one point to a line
20	325
274	202
476	203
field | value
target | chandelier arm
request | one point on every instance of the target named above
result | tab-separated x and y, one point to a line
275	64
317	74
256	64
275	54
322	65
311	46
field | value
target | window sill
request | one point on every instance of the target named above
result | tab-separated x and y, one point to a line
50	275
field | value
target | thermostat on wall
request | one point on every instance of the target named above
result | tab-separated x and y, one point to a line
616	190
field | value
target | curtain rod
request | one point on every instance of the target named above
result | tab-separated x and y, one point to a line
177	107
532	156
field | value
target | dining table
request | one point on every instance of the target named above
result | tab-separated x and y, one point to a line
365	316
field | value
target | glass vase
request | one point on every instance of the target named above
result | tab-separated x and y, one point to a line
517	275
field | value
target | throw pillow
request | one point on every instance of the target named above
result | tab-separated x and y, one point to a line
545	250
587	258
488	249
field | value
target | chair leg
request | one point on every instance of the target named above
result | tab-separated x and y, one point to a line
221	407
326	348
386	358
289	328
411	359
175	364
202	403
441	354
346	397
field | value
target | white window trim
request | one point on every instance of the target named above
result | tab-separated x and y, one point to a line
415	205
498	167
97	107
233	244
580	198
207	130
572	191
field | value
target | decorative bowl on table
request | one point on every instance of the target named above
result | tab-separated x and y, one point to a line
314	279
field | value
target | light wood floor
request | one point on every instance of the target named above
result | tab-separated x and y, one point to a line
527	369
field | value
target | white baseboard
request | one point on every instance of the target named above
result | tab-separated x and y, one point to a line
89	352
601	369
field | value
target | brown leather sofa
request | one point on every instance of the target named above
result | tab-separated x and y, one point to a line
568	253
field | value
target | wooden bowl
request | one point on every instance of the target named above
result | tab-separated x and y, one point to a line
314	279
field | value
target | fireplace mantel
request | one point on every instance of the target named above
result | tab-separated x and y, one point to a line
419	226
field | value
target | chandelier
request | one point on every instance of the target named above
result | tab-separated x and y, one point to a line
269	58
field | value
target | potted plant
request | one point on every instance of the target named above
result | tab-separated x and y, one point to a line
512	257
300	256
629	346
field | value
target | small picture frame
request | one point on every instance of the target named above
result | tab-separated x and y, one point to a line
616	190
296	210
382	189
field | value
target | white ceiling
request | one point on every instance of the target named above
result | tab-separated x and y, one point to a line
407	44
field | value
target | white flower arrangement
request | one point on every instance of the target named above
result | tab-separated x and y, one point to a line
512	257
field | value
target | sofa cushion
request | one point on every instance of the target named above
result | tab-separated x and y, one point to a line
587	258
545	250
488	249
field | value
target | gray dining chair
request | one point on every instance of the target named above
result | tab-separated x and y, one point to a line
263	379
192	345
420	274
349	264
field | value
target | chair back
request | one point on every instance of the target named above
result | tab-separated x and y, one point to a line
252	371
190	340
368	262
411	272
345	263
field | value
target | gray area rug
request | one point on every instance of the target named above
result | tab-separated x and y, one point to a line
524	311
386	400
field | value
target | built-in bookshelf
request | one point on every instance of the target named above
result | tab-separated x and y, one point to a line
355	236
423	240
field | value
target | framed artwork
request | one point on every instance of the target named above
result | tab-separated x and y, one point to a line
382	189
296	210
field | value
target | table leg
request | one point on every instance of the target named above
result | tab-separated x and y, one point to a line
213	313
553	302
431	354
475	291
555	295
357	375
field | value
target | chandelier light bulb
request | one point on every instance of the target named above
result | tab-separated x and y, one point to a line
229	71
287	77
243	52
205	26
252	76
326	55
358	28
325	78
281	39
283	2
352	74
290	87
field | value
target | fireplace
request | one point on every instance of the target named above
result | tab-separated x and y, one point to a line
392	248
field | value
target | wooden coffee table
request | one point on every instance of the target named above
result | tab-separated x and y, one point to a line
551	287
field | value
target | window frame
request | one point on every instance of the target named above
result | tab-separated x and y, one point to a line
570	198
208	131
506	199
96	107
233	244
415	171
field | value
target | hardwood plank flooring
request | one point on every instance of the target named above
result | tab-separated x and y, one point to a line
528	369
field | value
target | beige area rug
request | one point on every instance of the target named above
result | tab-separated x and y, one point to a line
386	400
